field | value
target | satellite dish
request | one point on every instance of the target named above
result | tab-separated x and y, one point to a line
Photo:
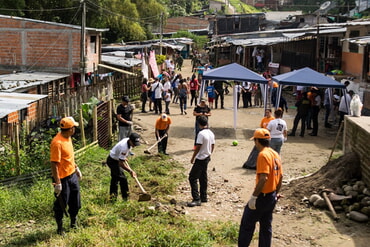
325	5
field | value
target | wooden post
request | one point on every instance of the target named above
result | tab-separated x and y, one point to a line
95	123
17	149
110	125
83	139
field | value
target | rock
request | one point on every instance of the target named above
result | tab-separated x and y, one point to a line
357	216
320	203
365	210
366	191
355	207
173	201
351	193
314	198
347	188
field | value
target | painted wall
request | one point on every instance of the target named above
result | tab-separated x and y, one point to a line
352	63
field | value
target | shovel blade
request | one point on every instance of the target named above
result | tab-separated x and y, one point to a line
144	197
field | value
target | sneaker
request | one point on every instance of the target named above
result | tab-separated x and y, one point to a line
291	134
194	203
131	153
204	200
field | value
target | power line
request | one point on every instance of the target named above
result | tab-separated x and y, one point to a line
38	10
118	14
52	45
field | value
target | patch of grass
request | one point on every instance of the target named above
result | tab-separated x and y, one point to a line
27	217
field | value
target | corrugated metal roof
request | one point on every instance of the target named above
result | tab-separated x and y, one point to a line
364	40
255	41
11	102
120	61
54	23
16	81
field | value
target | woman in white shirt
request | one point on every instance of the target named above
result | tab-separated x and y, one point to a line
278	130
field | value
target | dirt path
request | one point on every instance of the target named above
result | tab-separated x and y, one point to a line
230	186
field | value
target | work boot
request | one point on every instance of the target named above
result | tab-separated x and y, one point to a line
194	203
60	229
73	222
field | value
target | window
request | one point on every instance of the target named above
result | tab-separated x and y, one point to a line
93	44
351	46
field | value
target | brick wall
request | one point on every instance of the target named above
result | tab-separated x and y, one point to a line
356	139
34	45
13	117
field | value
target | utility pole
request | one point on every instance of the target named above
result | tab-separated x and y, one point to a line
83	43
161	34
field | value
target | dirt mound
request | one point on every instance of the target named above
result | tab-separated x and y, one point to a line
330	176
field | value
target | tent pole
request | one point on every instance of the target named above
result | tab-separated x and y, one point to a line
278	97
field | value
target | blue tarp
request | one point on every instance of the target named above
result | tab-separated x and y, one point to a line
233	72
307	77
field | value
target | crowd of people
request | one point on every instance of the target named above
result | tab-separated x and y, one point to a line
172	88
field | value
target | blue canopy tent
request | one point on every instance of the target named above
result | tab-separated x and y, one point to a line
233	72
305	77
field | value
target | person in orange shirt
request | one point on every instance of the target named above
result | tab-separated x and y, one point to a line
162	125
269	177
66	174
267	118
275	86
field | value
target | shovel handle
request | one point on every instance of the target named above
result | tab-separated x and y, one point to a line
138	183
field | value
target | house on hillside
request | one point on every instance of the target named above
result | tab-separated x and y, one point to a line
18	107
34	45
230	24
191	24
291	48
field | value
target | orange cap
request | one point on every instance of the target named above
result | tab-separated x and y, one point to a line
261	133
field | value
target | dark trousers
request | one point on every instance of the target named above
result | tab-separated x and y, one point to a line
327	114
247	99
144	99
183	100
117	176
315	119
237	99
199	172
265	205
193	94
158	106
162	145
70	195
219	94
302	118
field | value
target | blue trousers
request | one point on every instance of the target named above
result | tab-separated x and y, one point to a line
265	205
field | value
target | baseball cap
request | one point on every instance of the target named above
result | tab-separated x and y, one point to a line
135	138
126	98
261	133
164	117
67	123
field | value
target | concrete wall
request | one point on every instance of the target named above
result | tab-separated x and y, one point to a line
356	138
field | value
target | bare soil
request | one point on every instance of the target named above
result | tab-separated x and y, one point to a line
230	185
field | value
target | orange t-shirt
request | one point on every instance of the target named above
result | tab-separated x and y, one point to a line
265	121
61	151
269	162
275	85
162	125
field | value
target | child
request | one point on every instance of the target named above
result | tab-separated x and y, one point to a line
167	100
211	94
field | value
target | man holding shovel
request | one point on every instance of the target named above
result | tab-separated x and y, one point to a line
117	162
162	125
65	174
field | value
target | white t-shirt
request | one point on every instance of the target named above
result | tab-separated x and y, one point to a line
344	105
205	138
277	128
121	150
157	88
167	86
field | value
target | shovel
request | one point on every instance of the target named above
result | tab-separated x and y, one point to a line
147	151
144	196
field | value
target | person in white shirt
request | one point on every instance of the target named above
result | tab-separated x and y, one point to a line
157	88
278	131
344	105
